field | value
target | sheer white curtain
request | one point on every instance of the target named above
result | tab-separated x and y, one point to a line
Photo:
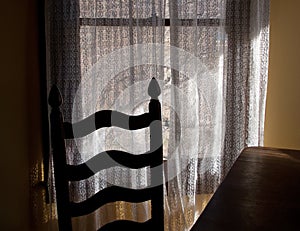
210	58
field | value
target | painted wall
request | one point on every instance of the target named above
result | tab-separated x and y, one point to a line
19	107
282	125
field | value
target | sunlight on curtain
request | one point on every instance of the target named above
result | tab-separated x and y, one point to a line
210	58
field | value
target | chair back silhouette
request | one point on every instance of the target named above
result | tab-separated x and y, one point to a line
65	173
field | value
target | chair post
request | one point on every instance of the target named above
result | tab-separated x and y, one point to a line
156	146
59	158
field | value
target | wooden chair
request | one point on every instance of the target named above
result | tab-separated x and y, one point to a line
64	173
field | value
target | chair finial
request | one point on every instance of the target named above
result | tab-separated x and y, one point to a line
55	98
154	89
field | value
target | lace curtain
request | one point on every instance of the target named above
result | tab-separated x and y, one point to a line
210	58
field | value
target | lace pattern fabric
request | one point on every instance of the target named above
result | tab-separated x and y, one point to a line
223	111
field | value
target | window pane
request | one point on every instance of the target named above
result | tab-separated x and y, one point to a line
202	9
120	8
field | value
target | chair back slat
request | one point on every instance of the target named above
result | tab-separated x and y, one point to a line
105	118
128	225
108	195
108	159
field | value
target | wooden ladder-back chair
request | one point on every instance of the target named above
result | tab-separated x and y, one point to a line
65	173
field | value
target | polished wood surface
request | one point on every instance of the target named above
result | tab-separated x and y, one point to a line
260	192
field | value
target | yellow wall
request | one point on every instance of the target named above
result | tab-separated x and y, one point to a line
282	125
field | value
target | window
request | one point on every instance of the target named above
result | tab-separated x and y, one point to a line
106	26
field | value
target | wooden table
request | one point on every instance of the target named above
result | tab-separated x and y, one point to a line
260	192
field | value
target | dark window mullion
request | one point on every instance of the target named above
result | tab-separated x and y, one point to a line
146	22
